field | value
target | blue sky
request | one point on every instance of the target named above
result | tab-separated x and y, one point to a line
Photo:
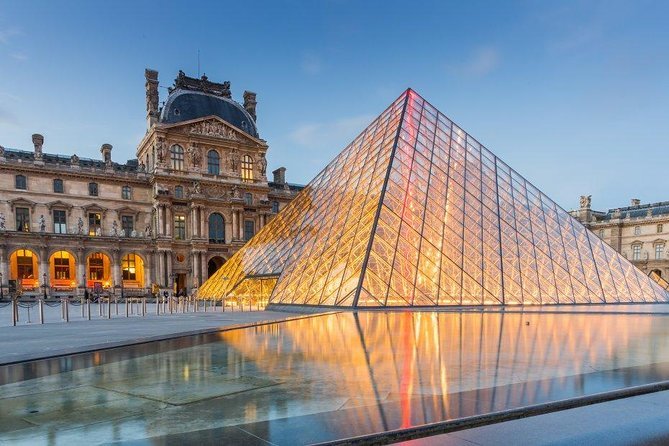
572	94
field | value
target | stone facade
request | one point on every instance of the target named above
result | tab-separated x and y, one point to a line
168	219
639	231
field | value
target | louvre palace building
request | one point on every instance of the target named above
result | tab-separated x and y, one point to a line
168	219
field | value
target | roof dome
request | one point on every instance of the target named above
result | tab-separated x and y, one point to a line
184	105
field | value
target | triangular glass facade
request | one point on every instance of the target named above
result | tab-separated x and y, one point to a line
415	212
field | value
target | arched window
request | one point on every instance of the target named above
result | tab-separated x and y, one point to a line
216	228
247	169
177	155
213	162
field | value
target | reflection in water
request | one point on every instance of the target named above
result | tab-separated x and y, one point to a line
332	376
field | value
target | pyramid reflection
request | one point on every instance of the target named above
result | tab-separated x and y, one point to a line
416	212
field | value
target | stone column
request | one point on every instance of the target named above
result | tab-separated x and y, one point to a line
196	268
203	267
193	222
116	267
81	267
4	265
169	221
160	267
148	269
203	222
44	267
241	225
159	224
235	227
168	258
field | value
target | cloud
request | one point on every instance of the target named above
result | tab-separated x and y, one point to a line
311	64
329	135
480	63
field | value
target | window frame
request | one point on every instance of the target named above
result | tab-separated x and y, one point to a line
659	251
636	252
248	235
61	186
247	169
177	157
124	219
21	182
59	227
93	189
25	222
213	166
178	192
126	192
179	227
216	236
92	228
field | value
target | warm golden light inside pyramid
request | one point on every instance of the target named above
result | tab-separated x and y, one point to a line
416	212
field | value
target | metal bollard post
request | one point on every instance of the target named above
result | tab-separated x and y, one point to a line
127	310
88	308
82	307
115	304
143	306
41	311
109	308
14	313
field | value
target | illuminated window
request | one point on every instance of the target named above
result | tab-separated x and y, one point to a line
61	265
126	192
213	163
637	230
96	266
247	169
177	156
659	228
59	222
58	186
636	252
659	252
129	267
94	221
20	182
180	227
216	228
24	264
127	224
249	229
22	219
93	189
178	192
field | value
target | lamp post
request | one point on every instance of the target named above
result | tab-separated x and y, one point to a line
44	284
2	295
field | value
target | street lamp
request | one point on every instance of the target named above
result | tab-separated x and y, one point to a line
44	284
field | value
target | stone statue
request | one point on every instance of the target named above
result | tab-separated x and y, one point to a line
262	164
114	230
195	156
585	201
161	151
74	160
42	223
234	160
3	227
133	233
197	189
80	226
2	151
235	192
147	230
142	167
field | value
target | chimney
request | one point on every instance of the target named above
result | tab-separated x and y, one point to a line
38	141
250	103
151	86
106	150
635	202
280	175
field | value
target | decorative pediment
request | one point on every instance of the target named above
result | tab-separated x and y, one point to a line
126	210
59	205
22	203
95	208
214	127
659	241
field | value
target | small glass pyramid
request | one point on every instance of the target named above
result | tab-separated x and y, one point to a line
415	212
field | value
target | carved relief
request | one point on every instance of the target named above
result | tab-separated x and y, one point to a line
194	155
161	150
585	201
262	164
233	160
213	128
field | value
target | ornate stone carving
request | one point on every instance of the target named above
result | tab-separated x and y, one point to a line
161	150
233	159
585	201
114	230
74	160
3	226
262	164
235	192
42	223
195	156
2	151
80	226
197	189
38	141
213	128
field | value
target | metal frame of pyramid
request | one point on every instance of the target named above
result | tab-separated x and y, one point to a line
417	213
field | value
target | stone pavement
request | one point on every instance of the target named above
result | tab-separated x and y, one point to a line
32	341
639	420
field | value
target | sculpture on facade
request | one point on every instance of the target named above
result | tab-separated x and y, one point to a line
585	201
148	230
74	160
234	158
213	128
114	230
197	189
161	150
195	155
235	192
262	164
80	226
3	227
42	223
2	151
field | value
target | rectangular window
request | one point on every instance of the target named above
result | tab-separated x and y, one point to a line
129	267
93	189
275	207
127	224
21	182
249	229
94	220
636	252
180	227
59	222
23	219
637	230
96	266
126	192
24	264
58	186
659	228
61	267
659	252
248	199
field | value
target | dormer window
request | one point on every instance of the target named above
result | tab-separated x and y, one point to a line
21	182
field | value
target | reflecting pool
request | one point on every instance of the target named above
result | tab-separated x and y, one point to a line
328	377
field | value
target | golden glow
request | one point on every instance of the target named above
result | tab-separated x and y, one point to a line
416	212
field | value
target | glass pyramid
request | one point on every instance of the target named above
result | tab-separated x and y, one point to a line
416	212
